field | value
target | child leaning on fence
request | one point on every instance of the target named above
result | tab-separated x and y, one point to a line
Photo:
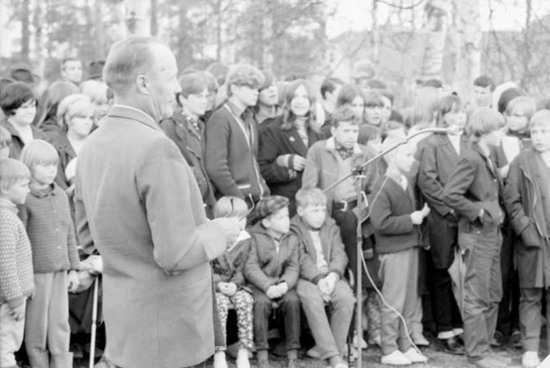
230	284
16	281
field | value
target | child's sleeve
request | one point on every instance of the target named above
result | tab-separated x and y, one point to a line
428	181
454	192
310	177
217	133
10	287
338	258
384	221
308	270
83	233
238	276
292	268
72	251
253	272
514	205
267	156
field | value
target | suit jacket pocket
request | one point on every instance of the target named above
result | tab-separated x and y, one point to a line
530	236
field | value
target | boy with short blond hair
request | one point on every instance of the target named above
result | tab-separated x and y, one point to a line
527	199
396	223
272	272
16	281
323	262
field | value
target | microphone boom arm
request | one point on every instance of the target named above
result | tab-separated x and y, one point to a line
359	169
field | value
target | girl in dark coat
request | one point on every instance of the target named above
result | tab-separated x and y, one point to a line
285	141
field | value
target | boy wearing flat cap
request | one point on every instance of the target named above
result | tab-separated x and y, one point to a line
272	271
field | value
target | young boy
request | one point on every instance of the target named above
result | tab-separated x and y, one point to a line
47	218
323	262
333	159
472	192
396	221
232	138
527	199
272	271
16	281
437	163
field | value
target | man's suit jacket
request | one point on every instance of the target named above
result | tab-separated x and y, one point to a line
138	202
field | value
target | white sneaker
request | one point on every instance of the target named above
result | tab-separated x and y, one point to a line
530	359
395	358
363	343
415	357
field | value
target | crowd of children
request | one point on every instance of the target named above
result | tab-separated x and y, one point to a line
290	167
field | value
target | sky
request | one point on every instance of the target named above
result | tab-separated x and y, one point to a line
354	15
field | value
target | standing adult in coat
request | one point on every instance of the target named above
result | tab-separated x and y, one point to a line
138	202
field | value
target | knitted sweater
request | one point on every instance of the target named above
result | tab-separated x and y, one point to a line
16	272
47	218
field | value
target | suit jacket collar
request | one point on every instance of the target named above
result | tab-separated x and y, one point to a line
132	113
489	161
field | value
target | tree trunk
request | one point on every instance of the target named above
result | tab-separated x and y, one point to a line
38	24
154	20
267	38
25	31
136	17
99	34
468	53
436	32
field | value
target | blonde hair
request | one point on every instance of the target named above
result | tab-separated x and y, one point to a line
484	120
541	117
95	90
39	152
12	171
230	206
72	105
310	196
521	105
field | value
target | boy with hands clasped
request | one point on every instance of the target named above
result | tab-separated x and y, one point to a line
323	261
272	271
16	272
396	221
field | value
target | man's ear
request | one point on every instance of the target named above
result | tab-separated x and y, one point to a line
300	211
266	223
141	83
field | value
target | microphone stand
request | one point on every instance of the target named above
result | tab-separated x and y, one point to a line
359	173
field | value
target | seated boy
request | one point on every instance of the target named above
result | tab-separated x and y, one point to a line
396	221
322	265
272	272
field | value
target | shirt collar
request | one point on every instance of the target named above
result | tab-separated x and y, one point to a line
8	205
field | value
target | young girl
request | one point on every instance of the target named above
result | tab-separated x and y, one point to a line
285	141
76	116
229	281
47	219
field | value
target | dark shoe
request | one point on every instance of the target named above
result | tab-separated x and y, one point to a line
497	340
452	346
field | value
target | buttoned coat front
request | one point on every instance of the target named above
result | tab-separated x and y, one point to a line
137	201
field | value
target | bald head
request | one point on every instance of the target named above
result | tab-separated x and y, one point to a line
129	58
